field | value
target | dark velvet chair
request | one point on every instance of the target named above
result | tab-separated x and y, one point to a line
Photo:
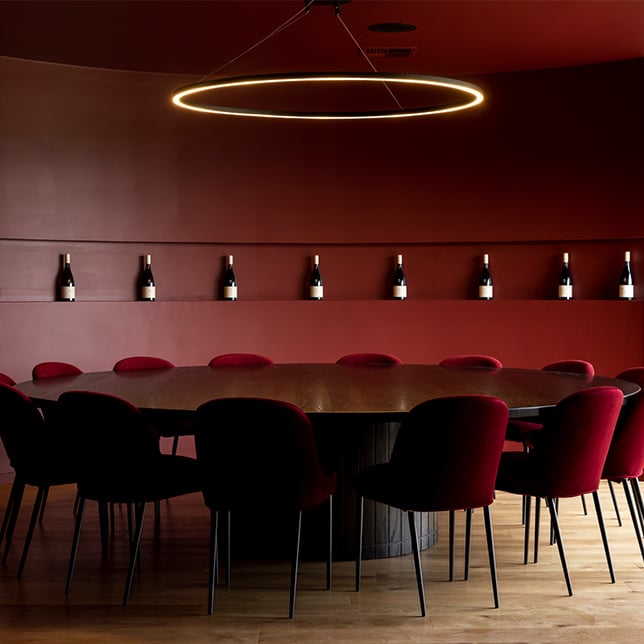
37	454
566	461
6	380
116	454
240	360
369	360
471	360
445	458
625	460
259	453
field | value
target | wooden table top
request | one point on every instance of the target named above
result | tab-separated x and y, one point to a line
326	388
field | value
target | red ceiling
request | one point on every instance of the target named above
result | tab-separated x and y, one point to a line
452	36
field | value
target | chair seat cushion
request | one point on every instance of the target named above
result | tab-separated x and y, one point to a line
163	478
395	487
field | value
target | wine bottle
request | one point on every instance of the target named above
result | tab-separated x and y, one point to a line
626	287
230	281
486	291
400	283
147	288
67	286
565	280
316	289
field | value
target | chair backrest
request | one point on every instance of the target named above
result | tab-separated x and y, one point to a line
569	455
448	451
44	370
141	363
22	427
571	366
626	454
369	360
6	380
109	436
240	360
471	360
255	451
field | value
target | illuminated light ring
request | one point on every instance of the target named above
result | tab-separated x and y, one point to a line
182	95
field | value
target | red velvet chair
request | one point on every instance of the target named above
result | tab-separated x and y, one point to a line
471	360
6	380
240	360
38	456
116	454
566	461
445	458
625	460
54	370
369	360
140	363
143	363
525	431
253	453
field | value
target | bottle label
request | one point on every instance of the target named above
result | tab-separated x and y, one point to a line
626	291
565	291
316	292
148	292
67	292
400	292
485	292
230	292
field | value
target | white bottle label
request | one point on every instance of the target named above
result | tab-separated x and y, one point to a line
148	292
565	291
400	291
230	292
67	292
626	291
485	292
316	292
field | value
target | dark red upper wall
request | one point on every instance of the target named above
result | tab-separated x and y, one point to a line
90	154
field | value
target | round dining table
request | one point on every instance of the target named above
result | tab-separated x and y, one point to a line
355	413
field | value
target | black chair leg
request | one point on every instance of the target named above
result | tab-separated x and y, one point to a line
212	567
228	548
417	566
526	528
12	517
80	511
294	566
41	514
451	545
491	555
104	525
140	516
537	527
41	498
583	505
602	530
7	512
554	521
637	493
359	521
634	516
329	559
613	496
468	543
175	445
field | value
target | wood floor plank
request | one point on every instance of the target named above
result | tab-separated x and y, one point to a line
168	602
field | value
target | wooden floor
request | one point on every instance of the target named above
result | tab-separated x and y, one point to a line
168	603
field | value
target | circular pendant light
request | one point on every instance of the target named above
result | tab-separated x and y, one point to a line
467	95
